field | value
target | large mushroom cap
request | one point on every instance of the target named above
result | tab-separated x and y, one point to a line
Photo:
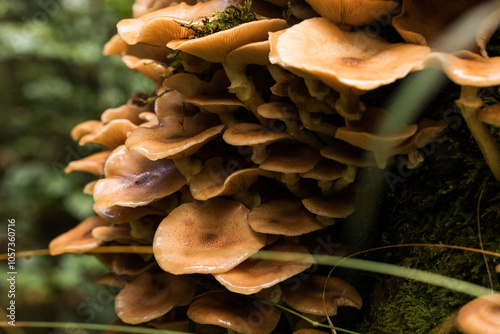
480	316
346	61
352	12
242	314
253	275
150	296
308	296
215	48
213	237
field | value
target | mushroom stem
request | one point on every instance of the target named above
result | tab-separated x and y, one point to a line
188	167
348	177
326	187
315	124
247	199
304	136
291	181
469	103
260	154
349	107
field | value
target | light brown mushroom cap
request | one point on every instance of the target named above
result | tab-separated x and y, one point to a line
93	164
119	214
422	22
253	275
366	137
328	207
216	180
110	135
291	158
213	237
112	280
141	7
78	239
175	137
215	48
325	170
132	180
216	104
353	12
115	46
242	314
349	62
150	296
252	53
88	189
480	316
283	111
427	131
490	114
283	217
113	232
84	128
128	111
189	84
150	68
251	134
160	27
347	155
307	297
467	68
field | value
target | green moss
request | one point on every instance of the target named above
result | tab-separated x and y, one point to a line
228	18
436	205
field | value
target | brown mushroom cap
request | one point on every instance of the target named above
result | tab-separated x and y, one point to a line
114	232
93	164
490	114
210	238
150	296
242	314
365	136
253	275
216	180
347	155
422	22
307	296
250	134
485	31
129	264
349	62
150	68
352	12
111	135
84	128
325	170
291	158
328	207
215	48
480	316
128	111
119	214
467	68
160	26
78	239
132	180
283	217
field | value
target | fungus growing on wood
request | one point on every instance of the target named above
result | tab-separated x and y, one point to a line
210	238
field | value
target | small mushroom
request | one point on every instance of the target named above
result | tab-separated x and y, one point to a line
490	114
253	275
237	313
254	135
283	217
78	239
213	237
307	296
215	180
326	173
328	207
93	164
480	316
150	296
110	135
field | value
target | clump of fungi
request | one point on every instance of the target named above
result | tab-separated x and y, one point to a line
251	142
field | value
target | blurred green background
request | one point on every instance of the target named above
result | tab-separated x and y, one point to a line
53	76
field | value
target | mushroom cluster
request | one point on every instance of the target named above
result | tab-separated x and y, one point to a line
250	143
